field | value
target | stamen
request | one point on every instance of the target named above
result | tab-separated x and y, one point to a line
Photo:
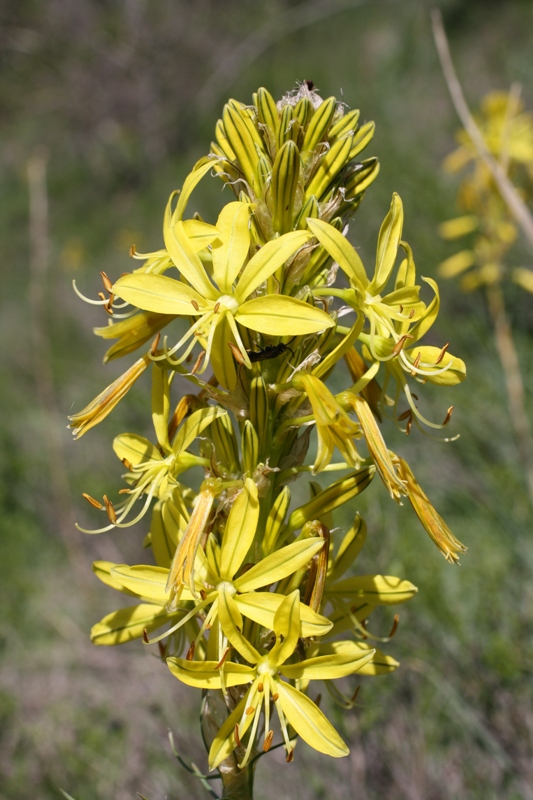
92	501
195	305
155	344
275	697
260	687
290	756
354	695
203	594
250	710
190	652
145	636
111	513
394	625
400	343
448	415
224	657
442	353
267	744
236	734
107	283
408	425
102	296
132	251
127	464
124	491
411	313
162	649
401	308
108	309
216	309
198	362
405	415
237	355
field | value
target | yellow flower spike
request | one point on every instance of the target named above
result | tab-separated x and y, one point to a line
450	547
105	402
376	444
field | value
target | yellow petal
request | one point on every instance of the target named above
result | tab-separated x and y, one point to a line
240	530
379	590
308	721
129	623
206	675
159	293
280	315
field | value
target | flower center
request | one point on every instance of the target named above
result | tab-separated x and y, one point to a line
228	586
228	302
266	668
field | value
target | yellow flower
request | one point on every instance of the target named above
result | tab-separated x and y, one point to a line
227	302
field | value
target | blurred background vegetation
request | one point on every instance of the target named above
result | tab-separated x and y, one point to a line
118	99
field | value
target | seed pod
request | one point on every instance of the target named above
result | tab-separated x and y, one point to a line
285	173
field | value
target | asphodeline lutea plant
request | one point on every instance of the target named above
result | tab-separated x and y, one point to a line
251	599
491	230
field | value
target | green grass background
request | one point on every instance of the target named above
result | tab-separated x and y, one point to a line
122	98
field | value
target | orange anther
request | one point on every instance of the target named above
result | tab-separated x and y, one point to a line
92	501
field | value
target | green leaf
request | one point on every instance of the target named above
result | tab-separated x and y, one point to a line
233	224
279	565
280	315
267	260
340	250
308	721
240	530
159	293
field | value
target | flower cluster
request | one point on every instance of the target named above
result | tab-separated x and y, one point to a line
249	599
487	220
